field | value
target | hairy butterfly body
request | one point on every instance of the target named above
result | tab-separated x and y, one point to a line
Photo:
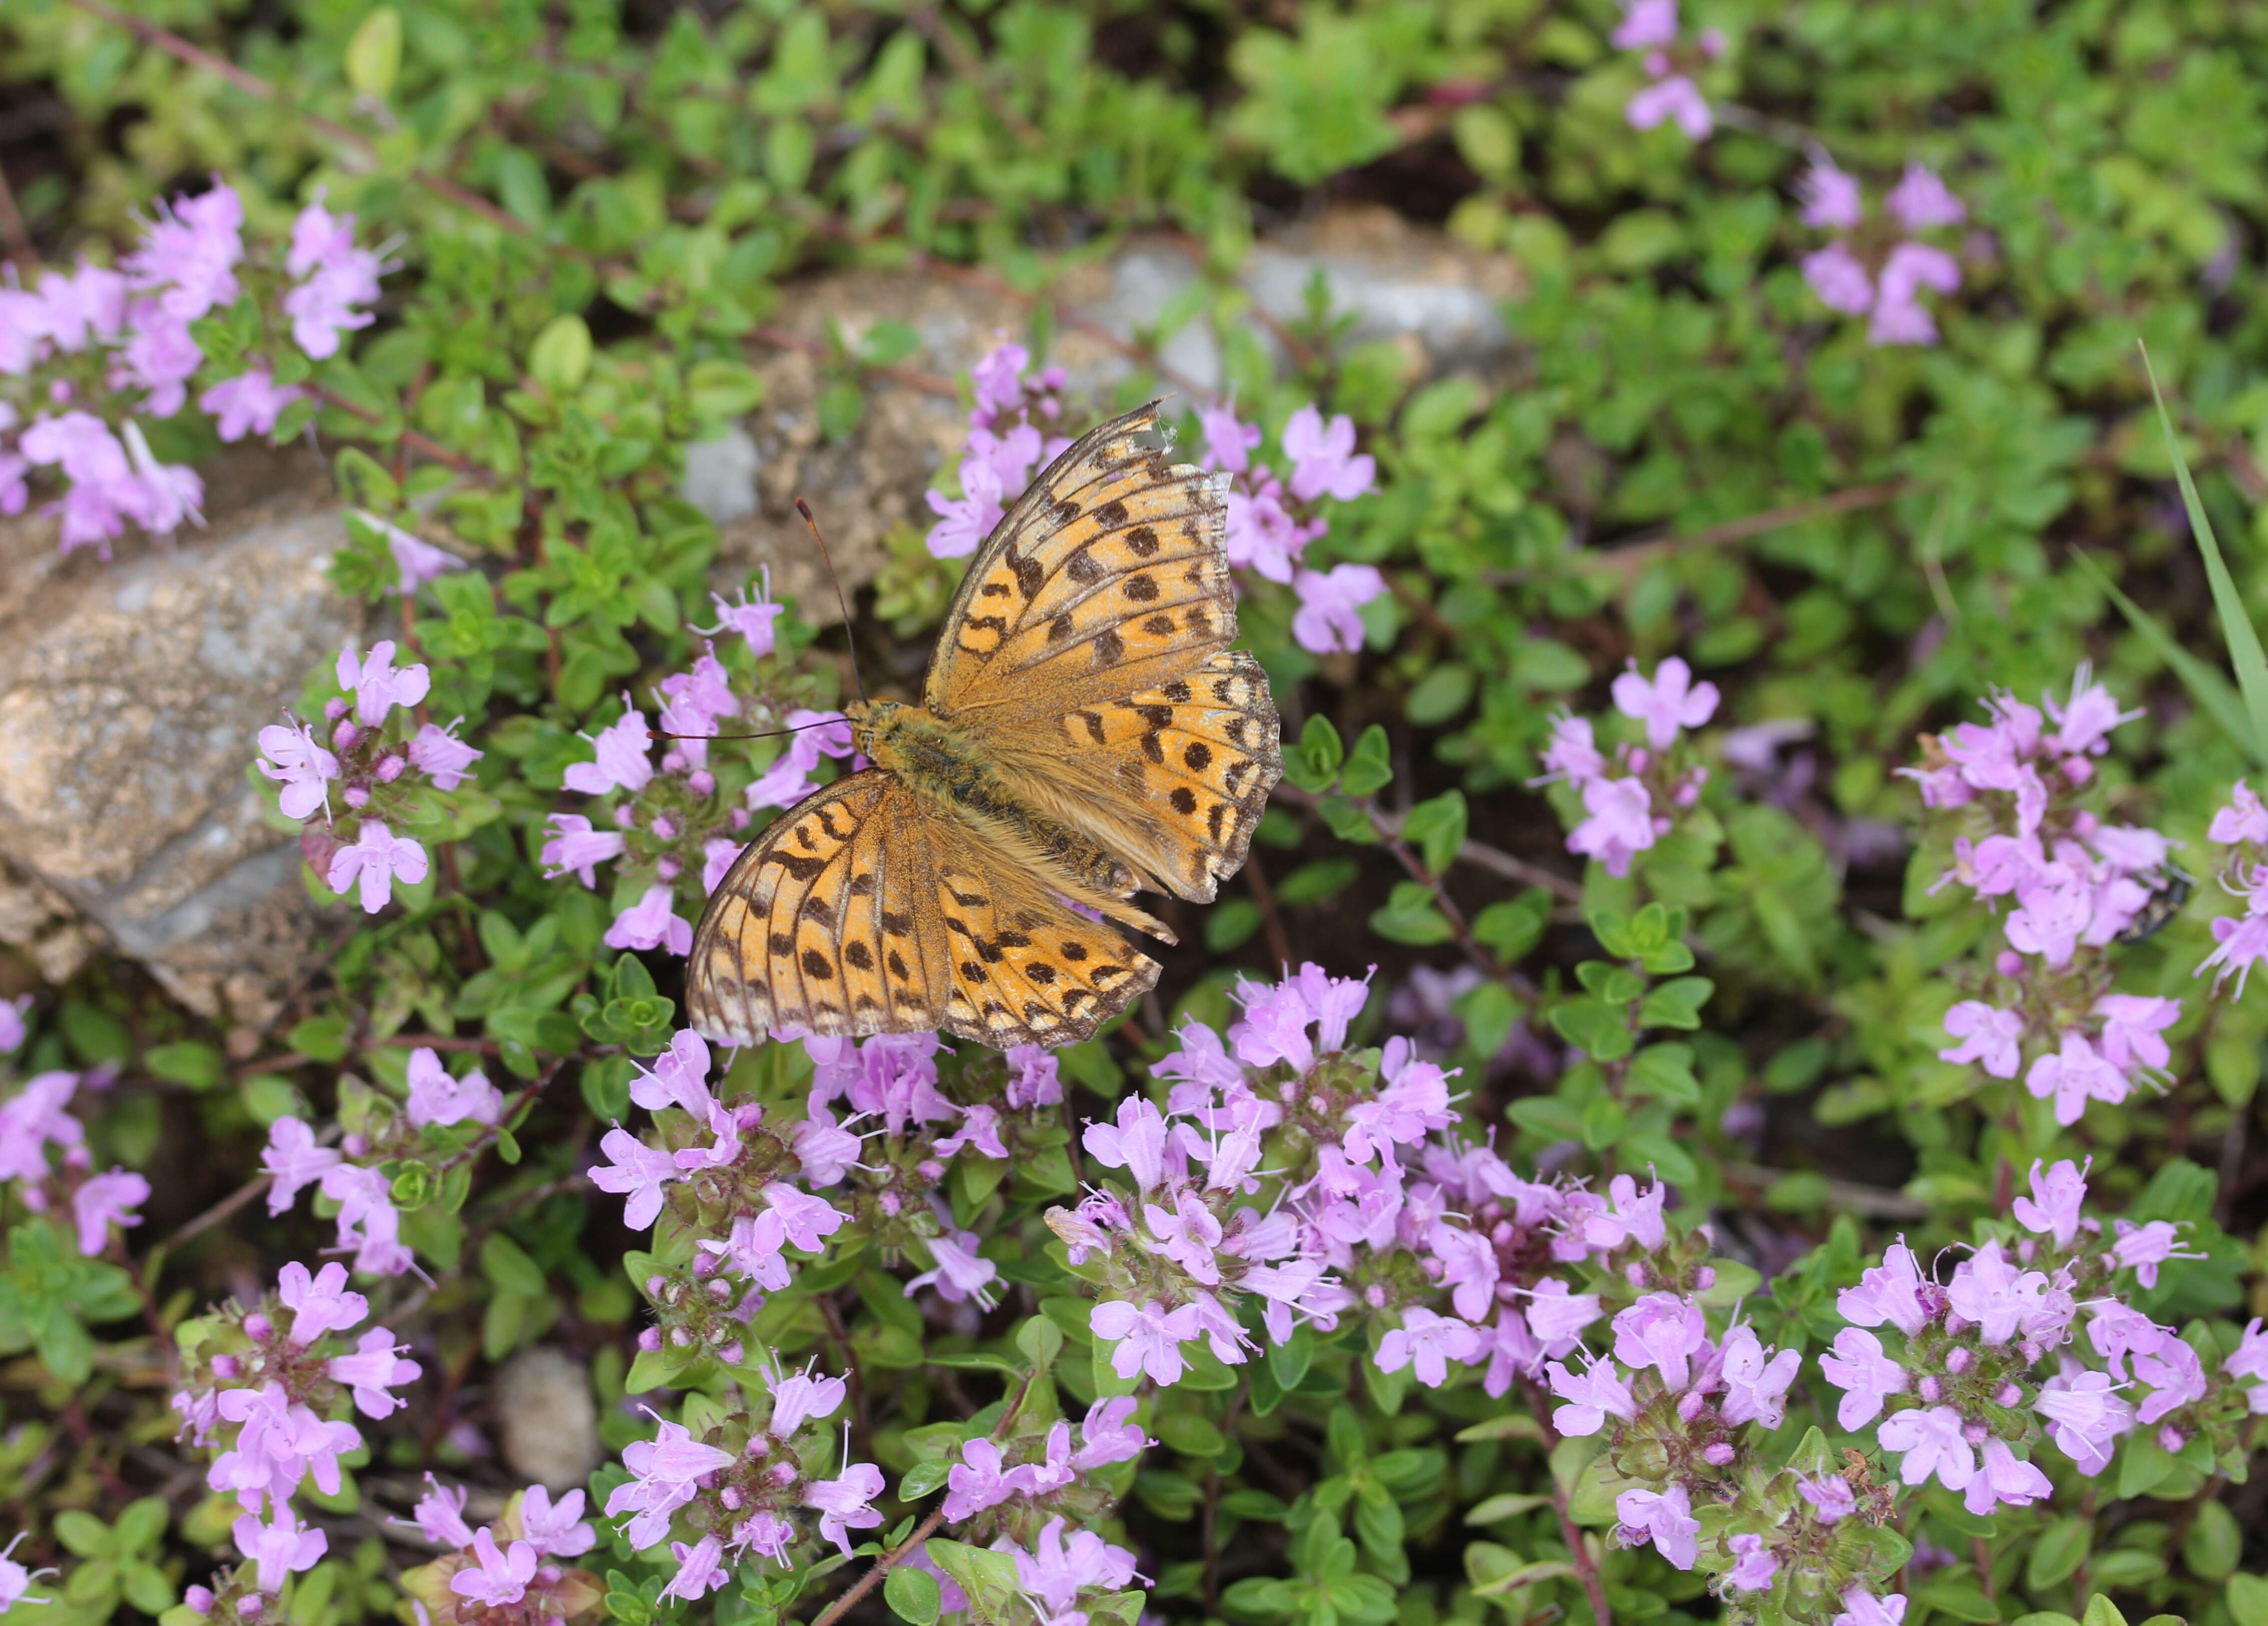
1084	732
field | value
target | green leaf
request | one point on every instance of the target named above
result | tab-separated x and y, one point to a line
2059	1552
197	1066
560	359
912	1595
1676	1003
2236	628
1410	916
1437	830
1314	763
1370	769
374	54
1960	1597
506	1264
2248	1599
2215	1544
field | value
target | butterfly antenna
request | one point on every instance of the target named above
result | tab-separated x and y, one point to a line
842	600
769	734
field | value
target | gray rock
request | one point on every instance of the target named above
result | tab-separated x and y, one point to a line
720	477
130	693
546	1419
1437	300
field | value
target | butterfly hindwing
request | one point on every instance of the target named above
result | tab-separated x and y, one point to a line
821	923
1109	575
1022	967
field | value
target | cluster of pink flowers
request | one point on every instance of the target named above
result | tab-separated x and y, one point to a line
1878	270
367	760
437	1112
746	1488
2241	829
1011	437
1626	811
1272	517
508	1573
87	353
37	1119
1015	1493
1670	94
263	1389
2074	885
1971	1375
673	825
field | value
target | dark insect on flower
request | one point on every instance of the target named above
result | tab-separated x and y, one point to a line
2165	902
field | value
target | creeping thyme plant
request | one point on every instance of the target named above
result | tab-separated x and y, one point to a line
1728	1086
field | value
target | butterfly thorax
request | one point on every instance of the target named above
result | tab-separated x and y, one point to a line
936	760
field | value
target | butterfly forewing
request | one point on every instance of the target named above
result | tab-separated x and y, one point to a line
1108	576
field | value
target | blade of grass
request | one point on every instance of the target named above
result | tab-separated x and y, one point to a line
2236	628
2206	686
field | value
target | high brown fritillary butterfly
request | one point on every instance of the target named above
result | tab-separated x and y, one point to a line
1085	732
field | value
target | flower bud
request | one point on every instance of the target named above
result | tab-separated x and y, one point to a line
1954	1325
354	1145
729	1498
680	1337
930	1169
890	1203
657	1280
1690	1404
2171	1439
356	796
2009	1393
343	736
649	1340
626	817
2008	962
1502	1234
666	868
703	782
1975	1432
227	1366
732	1354
1639	758
1634	1273
2029	1348
1375	1296
781	1474
1959	1359
1704	1278
720	1290
739	819
1719	1455
333	710
664	827
258	1328
2077	769
390	766
1929	1388
759	1445
251	1605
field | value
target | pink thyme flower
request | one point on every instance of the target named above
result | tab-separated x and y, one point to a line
1857	1366
439	1515
279	1548
1329	615
294	1160
1646	25
319	1301
338	278
373	862
2052	1208
651	923
377	686
842	1503
1620	826
436	753
374	1368
1989	1037
1593	1397
104	1199
621	757
639	1172
496	1579
1426	1343
1921	200
576	848
752	619
1861	1608
1930	1441
1674	98
2005	1478
1325	460
2133	1029
2243	820
1831	202
1890	1291
248	404
1149	1337
289	755
1664	1518
964	522
1667	703
2243	942
2074	1074
436	1098
555	1529
1754	1565
1229	442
